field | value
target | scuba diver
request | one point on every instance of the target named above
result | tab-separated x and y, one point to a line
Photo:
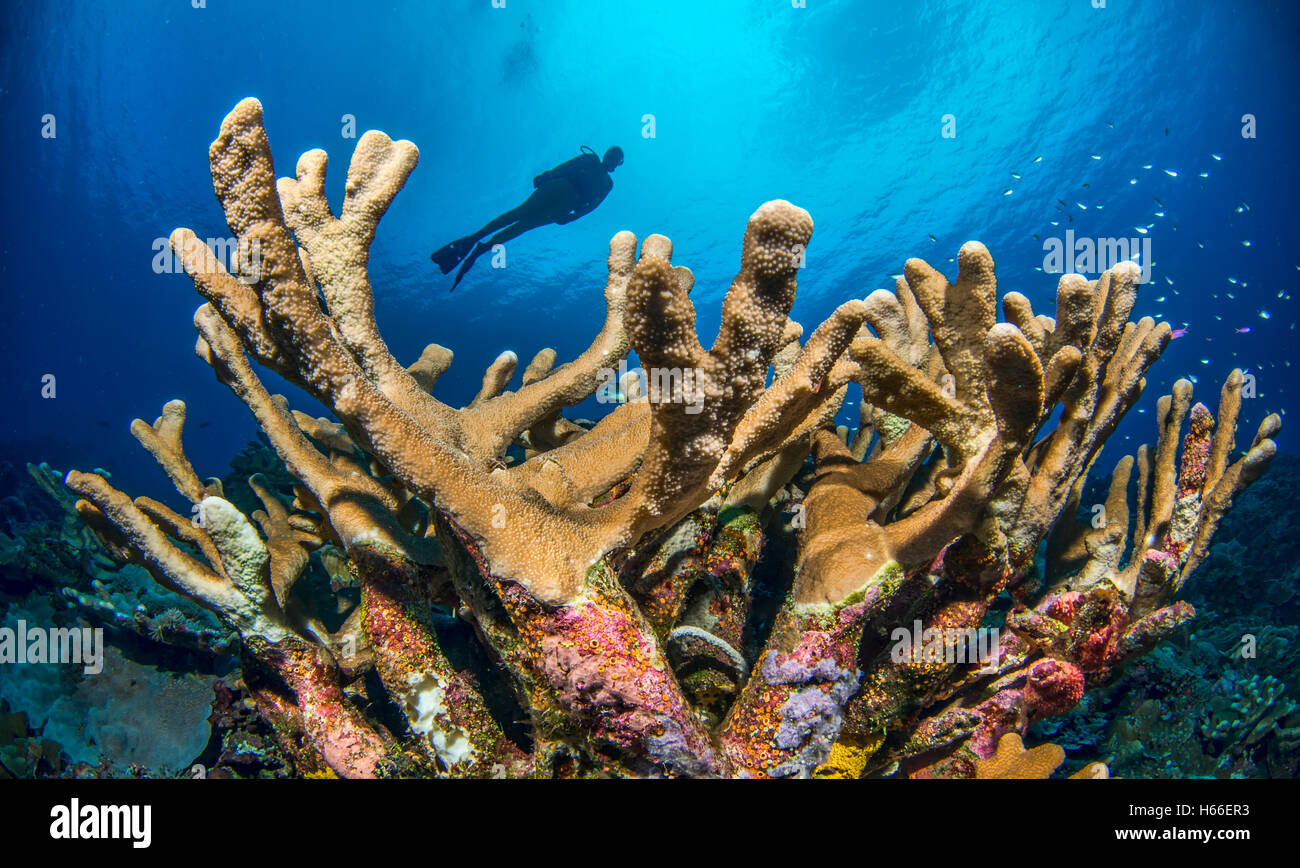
561	195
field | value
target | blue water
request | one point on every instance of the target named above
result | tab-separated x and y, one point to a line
837	107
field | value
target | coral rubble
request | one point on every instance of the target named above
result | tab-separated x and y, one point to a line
614	578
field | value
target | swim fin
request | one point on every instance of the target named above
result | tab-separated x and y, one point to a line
460	275
449	256
465	266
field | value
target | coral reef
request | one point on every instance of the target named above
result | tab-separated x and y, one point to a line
146	712
101	721
48	551
1212	702
616	575
23	753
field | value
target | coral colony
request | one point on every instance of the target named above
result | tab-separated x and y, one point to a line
618	576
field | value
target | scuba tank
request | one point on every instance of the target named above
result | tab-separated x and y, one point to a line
568	168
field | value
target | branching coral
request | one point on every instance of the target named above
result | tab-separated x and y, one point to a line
611	574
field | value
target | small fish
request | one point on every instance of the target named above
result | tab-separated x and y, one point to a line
1036	160
1245	244
1200	244
1147	166
1036	238
1168	280
1171	173
1006	192
1082	207
1158	202
1177	333
932	238
1095	156
1110	124
1263	314
1166	131
1205	174
1160	213
1140	229
1244	330
1015	175
1216	156
1132	180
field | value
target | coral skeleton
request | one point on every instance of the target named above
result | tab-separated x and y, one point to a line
616	575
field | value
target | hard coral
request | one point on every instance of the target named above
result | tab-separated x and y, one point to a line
610	574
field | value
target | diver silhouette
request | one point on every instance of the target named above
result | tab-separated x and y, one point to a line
561	195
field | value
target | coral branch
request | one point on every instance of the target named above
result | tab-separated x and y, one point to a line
629	580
